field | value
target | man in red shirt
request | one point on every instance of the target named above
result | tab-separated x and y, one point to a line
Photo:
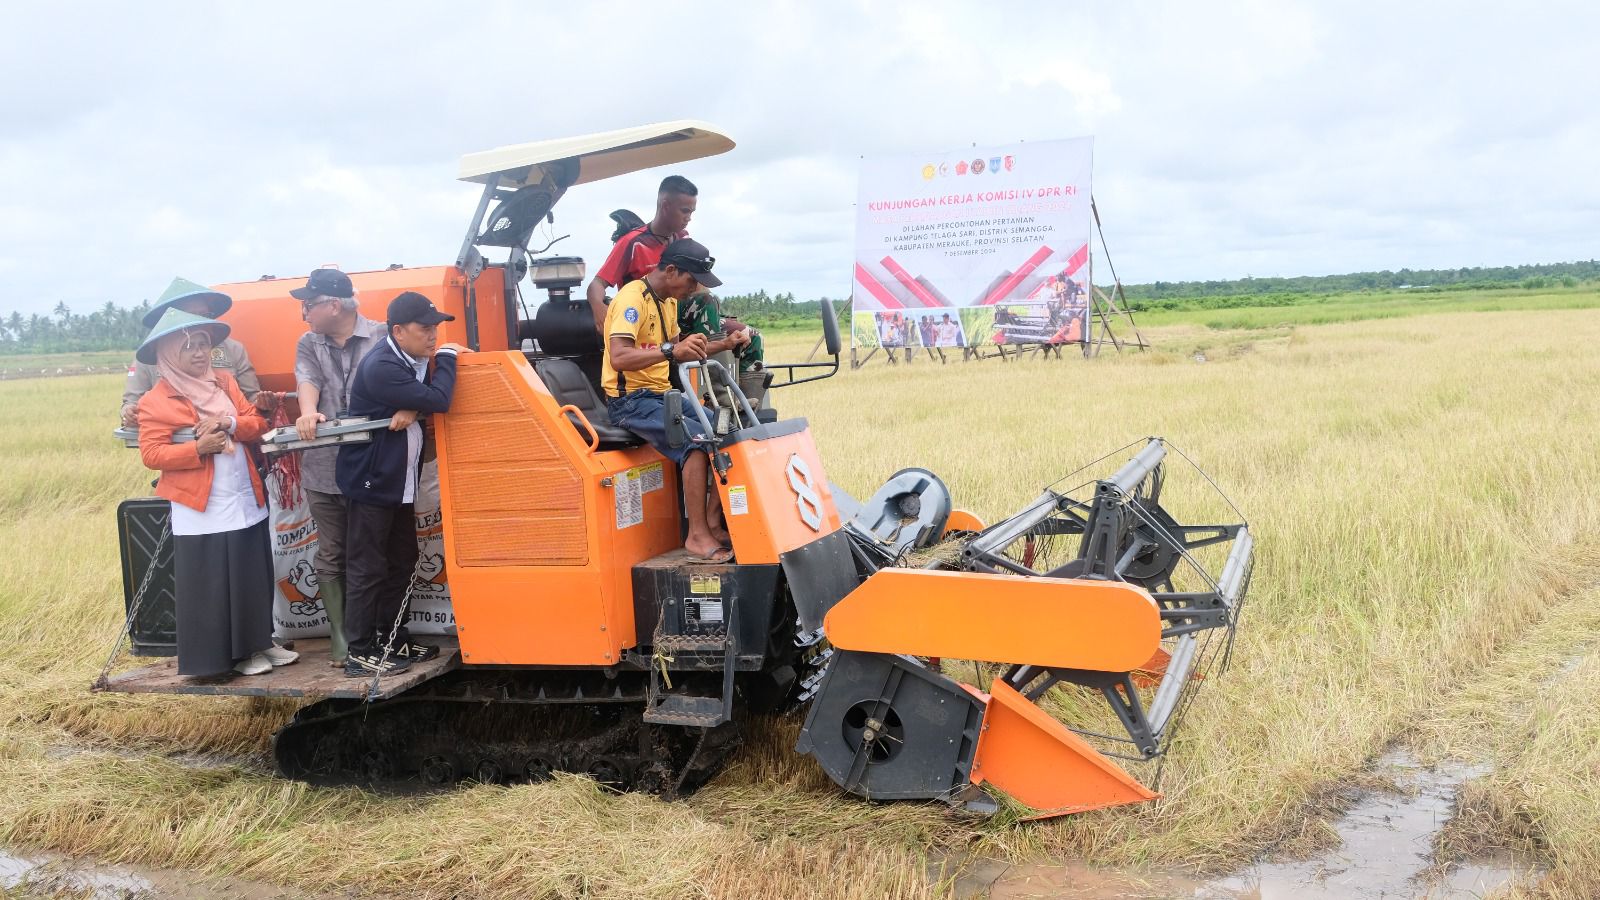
637	252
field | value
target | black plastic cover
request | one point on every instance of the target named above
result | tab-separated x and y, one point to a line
140	524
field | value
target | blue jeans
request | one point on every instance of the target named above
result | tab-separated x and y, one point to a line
645	413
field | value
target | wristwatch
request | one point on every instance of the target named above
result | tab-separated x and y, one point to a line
666	350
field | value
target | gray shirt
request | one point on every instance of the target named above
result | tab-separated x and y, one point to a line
229	355
332	370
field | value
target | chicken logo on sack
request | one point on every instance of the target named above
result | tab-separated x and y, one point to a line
430	573
302	590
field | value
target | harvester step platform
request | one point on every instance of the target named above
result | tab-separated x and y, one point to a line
717	643
665	705
309	677
694	712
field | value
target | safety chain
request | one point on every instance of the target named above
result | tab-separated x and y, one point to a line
394	630
100	682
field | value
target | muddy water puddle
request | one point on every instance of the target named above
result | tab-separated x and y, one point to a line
1385	851
48	875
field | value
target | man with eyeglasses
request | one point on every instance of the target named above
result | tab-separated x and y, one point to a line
325	361
643	342
187	296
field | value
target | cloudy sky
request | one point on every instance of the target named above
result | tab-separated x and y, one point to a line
227	141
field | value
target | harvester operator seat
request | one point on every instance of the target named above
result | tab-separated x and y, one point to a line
570	386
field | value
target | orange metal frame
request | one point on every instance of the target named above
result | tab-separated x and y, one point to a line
1107	626
774	483
267	320
539	549
1029	755
962	520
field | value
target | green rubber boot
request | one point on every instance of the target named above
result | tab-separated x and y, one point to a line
333	602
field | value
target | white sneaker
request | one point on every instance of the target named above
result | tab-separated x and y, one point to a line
279	656
257	664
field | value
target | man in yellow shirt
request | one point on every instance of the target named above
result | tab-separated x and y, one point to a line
642	344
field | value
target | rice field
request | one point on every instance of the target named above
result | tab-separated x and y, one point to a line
1428	574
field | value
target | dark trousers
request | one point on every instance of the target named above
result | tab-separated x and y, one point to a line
380	557
329	511
224	597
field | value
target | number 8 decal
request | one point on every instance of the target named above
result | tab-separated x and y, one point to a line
805	491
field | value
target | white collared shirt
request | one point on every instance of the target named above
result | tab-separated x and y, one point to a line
232	503
414	430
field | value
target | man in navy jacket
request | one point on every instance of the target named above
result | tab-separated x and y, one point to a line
379	479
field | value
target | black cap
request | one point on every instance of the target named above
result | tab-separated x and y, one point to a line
413	307
325	283
692	257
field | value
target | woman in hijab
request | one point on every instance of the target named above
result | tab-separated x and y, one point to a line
221	547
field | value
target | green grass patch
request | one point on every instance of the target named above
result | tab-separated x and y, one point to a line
1229	313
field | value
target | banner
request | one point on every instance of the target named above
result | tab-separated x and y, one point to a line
974	247
297	610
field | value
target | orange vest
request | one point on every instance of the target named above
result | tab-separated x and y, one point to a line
185	474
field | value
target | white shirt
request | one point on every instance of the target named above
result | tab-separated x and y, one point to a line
232	503
414	430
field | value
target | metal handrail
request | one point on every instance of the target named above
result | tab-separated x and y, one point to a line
713	369
583	421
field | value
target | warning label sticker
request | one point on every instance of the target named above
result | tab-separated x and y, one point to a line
705	584
629	499
738	501
650	477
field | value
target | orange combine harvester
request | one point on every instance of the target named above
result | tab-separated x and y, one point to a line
587	641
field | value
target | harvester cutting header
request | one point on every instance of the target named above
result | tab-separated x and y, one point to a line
587	639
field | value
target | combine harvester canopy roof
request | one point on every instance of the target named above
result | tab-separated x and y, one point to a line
580	160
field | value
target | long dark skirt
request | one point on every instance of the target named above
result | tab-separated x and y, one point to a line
224	592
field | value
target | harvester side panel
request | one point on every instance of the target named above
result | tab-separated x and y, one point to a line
540	545
888	728
819	575
682	601
267	320
777	496
1108	626
516	497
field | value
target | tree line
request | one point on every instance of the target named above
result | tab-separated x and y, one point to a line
113	327
779	310
1545	275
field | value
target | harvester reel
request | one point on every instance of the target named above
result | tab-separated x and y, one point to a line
1153	565
888	726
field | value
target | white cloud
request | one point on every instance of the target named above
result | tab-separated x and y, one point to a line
225	142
